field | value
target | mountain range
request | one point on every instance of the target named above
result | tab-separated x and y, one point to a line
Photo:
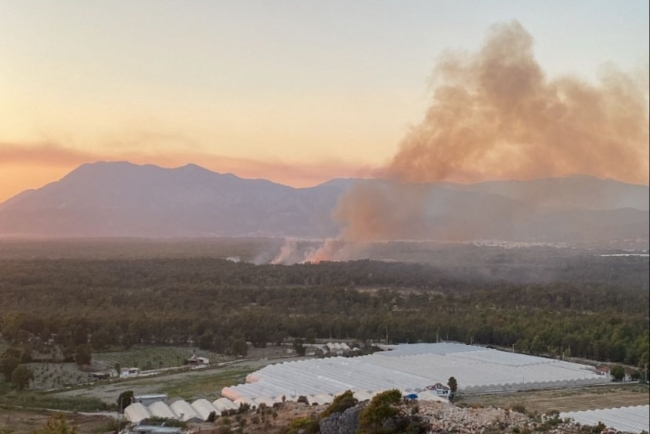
120	199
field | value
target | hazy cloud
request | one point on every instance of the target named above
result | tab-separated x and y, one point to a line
296	174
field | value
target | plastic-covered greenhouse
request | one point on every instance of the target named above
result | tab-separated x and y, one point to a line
628	419
411	368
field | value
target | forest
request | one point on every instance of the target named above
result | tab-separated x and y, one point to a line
579	305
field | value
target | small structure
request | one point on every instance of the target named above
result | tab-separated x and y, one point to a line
195	361
150	399
338	349
439	389
129	372
100	375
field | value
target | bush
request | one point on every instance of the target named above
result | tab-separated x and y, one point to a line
21	377
617	372
57	424
381	408
341	403
305	425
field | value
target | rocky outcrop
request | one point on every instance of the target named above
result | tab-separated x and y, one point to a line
341	423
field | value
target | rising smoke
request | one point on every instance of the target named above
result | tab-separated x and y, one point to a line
495	114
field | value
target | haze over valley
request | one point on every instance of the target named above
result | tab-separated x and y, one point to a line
126	200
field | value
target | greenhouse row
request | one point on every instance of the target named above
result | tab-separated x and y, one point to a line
412	368
628	419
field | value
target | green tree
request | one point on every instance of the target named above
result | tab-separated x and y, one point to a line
617	372
453	386
9	361
82	355
299	347
310	336
21	377
118	368
99	340
124	400
239	347
57	424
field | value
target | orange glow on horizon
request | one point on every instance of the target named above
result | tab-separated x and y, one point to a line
29	167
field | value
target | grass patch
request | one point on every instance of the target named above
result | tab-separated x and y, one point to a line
50	402
204	386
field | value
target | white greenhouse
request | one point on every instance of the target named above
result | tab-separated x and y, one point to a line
628	419
184	411
203	408
412	368
162	410
136	412
224	404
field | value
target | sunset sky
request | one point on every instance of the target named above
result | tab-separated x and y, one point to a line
294	91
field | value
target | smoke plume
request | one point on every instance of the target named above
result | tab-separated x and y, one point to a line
495	114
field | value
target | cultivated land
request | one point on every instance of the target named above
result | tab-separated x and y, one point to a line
152	357
188	384
564	400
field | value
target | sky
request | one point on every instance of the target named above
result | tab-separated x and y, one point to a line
294	91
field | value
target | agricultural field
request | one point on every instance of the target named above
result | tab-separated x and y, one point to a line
152	357
192	384
57	375
565	400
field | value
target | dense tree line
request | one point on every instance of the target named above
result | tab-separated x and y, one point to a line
590	309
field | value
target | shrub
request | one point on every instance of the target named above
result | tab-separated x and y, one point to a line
341	403
305	425
21	377
617	372
381	408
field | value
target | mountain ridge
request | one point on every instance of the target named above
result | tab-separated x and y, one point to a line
116	199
